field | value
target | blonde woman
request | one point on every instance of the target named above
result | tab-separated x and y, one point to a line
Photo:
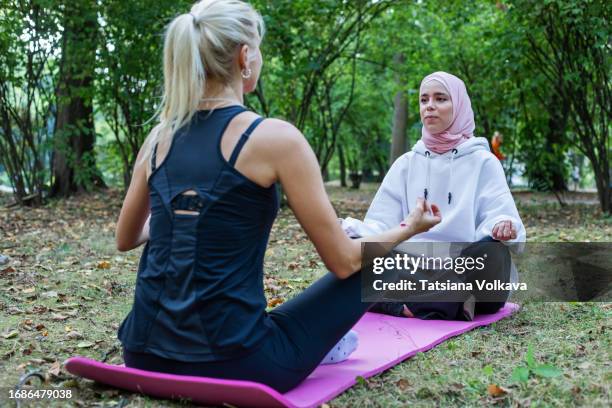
203	198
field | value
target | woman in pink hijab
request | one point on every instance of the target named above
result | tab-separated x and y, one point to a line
446	112
452	168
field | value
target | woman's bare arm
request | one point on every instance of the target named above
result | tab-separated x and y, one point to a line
298	171
133	224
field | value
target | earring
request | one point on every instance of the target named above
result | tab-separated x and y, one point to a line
246	73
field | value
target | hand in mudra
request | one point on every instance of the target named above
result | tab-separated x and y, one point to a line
503	231
423	216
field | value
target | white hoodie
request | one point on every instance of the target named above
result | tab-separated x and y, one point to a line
470	175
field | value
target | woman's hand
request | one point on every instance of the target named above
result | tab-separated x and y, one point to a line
423	216
503	231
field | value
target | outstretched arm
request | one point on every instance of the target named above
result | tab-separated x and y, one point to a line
298	171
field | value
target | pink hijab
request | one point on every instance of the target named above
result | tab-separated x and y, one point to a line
462	125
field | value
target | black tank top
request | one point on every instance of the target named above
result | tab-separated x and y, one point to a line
199	291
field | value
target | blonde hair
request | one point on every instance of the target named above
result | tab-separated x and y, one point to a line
201	45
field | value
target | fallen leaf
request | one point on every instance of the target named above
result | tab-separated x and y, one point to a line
456	387
11	334
85	344
55	369
103	265
580	350
67	305
39	309
402	384
29	290
49	294
74	335
58	317
496	391
275	301
110	393
14	310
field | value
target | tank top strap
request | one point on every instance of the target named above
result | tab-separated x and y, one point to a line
154	158
243	139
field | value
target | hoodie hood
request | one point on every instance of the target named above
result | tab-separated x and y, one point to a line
469	146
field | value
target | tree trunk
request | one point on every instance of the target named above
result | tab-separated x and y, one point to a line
74	164
342	166
380	166
325	174
557	124
604	191
400	116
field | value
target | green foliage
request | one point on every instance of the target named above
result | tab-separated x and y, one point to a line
538	72
28	36
522	373
567	44
129	71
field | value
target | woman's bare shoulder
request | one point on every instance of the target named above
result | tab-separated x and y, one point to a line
281	128
279	135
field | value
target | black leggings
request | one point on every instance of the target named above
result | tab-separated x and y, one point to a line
498	265
304	329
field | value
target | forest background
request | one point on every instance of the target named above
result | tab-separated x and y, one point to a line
80	82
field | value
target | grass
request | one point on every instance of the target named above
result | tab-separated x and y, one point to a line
67	290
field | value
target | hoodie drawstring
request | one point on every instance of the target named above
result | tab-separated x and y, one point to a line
427	154
450	177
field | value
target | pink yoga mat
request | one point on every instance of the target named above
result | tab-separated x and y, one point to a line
384	341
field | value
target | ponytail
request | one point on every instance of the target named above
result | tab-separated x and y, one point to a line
200	45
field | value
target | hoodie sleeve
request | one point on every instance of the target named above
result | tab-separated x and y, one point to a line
495	203
388	209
